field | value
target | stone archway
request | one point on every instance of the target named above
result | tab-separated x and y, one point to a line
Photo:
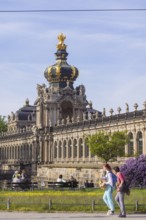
66	110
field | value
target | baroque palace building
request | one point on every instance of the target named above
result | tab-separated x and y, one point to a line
48	138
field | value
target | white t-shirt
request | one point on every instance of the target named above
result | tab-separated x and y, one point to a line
61	180
109	179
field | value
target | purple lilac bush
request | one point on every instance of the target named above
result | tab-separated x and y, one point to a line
135	171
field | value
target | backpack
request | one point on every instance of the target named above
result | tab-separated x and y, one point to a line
114	177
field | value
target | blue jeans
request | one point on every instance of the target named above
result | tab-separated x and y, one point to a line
108	198
120	200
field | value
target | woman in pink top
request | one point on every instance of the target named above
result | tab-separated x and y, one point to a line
119	198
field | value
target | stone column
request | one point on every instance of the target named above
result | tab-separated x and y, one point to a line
34	157
84	145
46	150
41	150
51	115
46	117
126	149
89	155
50	151
53	150
57	114
7	154
29	152
41	112
78	149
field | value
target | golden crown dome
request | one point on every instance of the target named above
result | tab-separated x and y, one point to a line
61	72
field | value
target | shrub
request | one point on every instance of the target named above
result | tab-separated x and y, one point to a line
135	171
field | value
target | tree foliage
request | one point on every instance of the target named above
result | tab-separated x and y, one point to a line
135	171
3	124
108	146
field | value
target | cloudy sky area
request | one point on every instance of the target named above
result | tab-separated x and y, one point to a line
108	48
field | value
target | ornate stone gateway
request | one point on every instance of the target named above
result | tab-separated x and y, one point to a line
48	138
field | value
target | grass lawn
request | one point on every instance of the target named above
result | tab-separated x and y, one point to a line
79	200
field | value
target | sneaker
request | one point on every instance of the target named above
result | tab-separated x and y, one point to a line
122	216
110	212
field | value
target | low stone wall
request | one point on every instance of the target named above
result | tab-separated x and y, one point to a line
81	174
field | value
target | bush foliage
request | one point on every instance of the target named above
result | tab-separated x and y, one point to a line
135	171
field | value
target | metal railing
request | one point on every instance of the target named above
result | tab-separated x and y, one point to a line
8	204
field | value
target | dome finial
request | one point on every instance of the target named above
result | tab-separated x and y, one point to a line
61	72
27	102
61	45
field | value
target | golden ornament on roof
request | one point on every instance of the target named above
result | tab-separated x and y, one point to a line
61	45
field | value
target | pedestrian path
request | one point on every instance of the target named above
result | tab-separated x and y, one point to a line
64	216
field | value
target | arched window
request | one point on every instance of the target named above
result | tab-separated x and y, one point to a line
19	152
13	150
27	152
55	149
69	149
139	143
64	149
22	152
74	148
86	150
66	109
10	153
59	150
4	153
7	152
1	154
130	145
80	148
30	152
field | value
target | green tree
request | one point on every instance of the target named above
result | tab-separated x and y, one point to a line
3	124
108	146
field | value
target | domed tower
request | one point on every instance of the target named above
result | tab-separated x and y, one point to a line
61	72
60	103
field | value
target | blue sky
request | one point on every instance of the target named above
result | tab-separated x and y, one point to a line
108	48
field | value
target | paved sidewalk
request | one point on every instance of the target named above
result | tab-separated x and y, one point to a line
64	216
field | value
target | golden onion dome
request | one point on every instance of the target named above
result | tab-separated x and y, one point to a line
61	72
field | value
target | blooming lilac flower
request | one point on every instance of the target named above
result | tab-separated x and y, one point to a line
135	171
